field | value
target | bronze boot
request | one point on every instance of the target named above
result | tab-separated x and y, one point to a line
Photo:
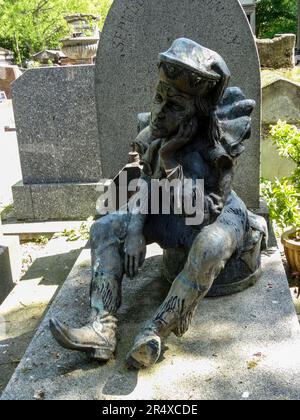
98	337
174	316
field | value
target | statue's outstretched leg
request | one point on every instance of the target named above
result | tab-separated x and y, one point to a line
211	250
98	337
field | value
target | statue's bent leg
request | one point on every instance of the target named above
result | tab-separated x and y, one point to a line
211	250
98	337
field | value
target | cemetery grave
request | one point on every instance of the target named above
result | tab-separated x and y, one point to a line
74	127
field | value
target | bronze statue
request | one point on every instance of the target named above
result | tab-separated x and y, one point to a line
196	131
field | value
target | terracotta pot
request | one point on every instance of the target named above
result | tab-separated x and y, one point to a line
292	248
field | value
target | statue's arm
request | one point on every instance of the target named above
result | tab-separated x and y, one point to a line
135	243
138	207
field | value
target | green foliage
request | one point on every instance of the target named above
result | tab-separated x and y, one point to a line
41	240
283	201
287	139
276	16
283	196
5	210
82	233
29	26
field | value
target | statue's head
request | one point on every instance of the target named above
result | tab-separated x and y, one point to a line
192	80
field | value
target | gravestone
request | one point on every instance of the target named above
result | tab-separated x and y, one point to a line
57	132
281	101
135	32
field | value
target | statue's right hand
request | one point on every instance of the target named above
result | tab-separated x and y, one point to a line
135	253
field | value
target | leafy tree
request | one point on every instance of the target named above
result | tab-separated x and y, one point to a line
276	16
29	26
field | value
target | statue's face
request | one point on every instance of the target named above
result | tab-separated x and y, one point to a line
171	108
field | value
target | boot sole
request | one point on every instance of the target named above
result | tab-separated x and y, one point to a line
145	355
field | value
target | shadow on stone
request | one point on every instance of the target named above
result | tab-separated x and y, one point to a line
52	269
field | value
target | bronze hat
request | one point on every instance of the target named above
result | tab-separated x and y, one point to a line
194	69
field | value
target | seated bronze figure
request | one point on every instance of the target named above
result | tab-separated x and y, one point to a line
196	131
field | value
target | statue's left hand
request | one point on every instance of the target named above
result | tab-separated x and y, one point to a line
135	253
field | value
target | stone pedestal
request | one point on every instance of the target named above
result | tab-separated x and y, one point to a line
63	201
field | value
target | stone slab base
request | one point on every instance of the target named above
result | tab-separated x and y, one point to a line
10	265
245	346
42	202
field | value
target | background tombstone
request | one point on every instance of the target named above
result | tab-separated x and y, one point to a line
135	32
56	123
280	101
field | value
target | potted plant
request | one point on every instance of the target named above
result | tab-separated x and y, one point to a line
291	242
283	196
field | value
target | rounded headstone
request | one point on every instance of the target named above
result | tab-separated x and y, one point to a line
135	32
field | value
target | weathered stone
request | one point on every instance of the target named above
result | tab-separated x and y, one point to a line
281	101
23	205
126	70
56	125
278	52
42	202
236	345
